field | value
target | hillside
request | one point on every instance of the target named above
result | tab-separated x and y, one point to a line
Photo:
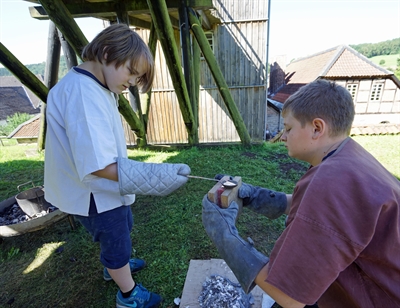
385	48
39	68
389	62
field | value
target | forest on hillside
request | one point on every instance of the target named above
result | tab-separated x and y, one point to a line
39	68
385	48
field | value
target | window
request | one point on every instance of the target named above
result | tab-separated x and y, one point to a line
352	88
376	91
210	39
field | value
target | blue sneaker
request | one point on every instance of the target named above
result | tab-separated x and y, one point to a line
139	298
135	265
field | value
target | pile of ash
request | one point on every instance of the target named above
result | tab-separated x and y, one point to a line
220	292
14	215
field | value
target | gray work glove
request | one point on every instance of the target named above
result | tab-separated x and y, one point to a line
269	203
149	178
242	258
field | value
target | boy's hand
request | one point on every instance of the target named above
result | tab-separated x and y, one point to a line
242	258
149	178
269	203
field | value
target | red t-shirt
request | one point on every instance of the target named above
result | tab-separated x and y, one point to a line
341	246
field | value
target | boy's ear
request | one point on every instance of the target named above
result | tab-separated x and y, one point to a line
319	126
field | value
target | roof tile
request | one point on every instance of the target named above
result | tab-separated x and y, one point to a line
350	65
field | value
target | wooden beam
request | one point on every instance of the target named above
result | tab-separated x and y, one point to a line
219	78
22	73
140	23
89	9
204	20
165	34
64	21
122	14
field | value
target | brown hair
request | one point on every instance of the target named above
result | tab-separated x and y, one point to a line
121	44
322	99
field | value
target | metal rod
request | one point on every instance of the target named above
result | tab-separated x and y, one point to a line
201	178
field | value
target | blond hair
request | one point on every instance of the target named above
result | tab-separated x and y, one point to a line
326	100
121	44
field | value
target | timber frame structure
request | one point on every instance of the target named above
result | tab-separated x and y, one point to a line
162	18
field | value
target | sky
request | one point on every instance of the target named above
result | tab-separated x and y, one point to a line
298	28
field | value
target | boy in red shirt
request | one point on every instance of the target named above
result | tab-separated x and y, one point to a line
341	245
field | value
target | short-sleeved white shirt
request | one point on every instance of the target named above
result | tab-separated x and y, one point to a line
84	134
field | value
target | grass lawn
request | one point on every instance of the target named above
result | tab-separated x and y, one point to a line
390	61
59	267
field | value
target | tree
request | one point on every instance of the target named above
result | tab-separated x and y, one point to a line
382	62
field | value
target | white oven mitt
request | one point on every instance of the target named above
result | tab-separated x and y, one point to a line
149	178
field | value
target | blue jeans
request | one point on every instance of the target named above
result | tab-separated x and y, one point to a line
112	230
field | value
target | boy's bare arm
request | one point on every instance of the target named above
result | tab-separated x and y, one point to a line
110	172
281	298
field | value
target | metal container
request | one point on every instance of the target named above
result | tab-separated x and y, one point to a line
31	225
32	201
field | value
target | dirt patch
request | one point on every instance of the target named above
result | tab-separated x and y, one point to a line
286	167
249	155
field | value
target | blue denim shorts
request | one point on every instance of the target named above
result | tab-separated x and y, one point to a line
112	230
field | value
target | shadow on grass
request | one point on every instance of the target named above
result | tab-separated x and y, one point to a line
60	267
53	267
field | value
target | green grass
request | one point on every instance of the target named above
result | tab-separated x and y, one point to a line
59	267
385	148
7	142
390	61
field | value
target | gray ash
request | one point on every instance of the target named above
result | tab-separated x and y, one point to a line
220	292
14	215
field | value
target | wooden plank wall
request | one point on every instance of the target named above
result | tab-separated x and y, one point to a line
240	49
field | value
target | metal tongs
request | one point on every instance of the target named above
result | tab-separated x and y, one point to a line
225	183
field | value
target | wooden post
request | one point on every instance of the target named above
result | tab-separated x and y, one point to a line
196	79
162	22
147	97
134	98
219	78
53	57
187	56
134	122
50	77
185	41
69	53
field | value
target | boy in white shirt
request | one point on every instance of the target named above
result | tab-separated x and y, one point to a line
87	172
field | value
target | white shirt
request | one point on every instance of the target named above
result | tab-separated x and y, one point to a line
84	134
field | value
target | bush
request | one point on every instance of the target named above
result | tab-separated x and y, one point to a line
13	122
